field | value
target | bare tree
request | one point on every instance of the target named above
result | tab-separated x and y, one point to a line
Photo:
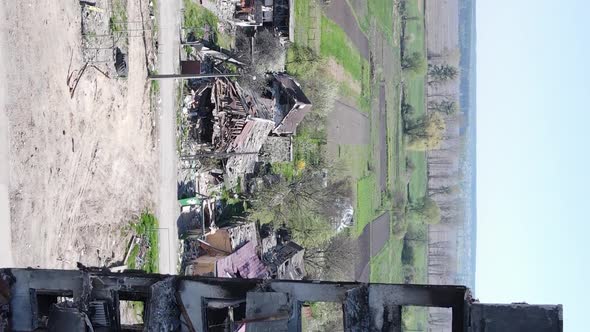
266	55
335	260
305	192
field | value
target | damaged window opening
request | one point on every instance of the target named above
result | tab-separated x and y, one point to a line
131	314
44	300
414	318
225	315
132	311
322	316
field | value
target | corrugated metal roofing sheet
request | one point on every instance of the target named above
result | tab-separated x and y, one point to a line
244	262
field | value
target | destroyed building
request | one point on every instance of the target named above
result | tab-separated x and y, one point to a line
268	13
230	238
236	251
244	263
285	261
216	245
277	149
219	113
253	13
59	300
231	123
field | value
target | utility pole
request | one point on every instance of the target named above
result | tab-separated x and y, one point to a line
187	76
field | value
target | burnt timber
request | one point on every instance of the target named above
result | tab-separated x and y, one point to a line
54	300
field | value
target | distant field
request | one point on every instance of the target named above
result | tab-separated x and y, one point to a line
378	18
383	13
315	30
416	94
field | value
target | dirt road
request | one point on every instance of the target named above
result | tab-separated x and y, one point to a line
80	168
5	241
168	210
383	156
340	12
374	237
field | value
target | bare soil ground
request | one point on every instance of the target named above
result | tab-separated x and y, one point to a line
442	39
347	125
442	25
5	231
342	76
82	167
371	241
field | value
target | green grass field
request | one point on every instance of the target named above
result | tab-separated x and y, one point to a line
419	179
386	266
316	31
383	13
368	199
307	23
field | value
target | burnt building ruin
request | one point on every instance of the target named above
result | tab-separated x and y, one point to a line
58	300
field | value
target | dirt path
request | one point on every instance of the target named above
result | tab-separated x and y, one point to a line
5	241
374	237
383	156
342	14
168	210
80	168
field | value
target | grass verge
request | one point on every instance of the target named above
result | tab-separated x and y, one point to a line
146	227
368	199
118	20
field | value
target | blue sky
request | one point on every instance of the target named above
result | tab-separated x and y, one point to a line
533	163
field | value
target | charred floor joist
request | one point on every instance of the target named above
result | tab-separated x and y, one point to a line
56	300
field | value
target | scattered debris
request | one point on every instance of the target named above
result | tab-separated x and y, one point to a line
73	82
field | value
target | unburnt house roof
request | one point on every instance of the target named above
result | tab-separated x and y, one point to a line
295	103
